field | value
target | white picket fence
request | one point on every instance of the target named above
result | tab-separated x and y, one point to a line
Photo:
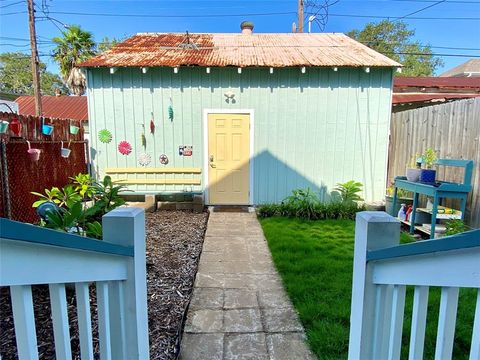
382	270
30	255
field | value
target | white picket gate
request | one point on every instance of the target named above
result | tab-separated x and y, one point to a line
382	270
30	255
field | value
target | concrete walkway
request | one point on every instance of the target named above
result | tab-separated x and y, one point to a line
239	308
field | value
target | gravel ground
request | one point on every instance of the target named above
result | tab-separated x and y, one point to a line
174	244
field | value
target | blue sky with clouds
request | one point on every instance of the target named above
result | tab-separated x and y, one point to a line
445	25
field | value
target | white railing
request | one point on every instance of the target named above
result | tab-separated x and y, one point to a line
30	255
382	270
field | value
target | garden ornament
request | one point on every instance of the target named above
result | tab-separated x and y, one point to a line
152	125
47	129
3	126
74	129
164	159
16	126
65	152
124	147
144	159
33	154
104	136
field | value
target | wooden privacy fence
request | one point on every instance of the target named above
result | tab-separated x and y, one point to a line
453	130
20	175
382	269
31	255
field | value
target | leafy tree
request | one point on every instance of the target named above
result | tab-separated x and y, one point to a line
395	40
75	46
106	44
16	76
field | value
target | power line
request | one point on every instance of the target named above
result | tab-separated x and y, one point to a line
410	18
15	3
431	54
171	16
419	10
252	14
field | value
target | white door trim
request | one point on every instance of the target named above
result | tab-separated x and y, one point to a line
206	112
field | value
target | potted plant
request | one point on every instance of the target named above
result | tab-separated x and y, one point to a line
414	168
428	174
403	197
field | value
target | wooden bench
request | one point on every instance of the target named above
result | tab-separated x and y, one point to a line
115	172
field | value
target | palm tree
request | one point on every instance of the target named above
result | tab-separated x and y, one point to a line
72	48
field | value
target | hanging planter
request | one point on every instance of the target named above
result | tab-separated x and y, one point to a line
3	126
47	129
124	147
144	159
16	126
33	154
74	129
65	152
104	136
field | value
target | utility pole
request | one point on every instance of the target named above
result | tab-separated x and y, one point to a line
35	59
300	16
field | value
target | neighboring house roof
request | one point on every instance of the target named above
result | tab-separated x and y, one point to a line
60	107
240	50
414	92
467	69
8	106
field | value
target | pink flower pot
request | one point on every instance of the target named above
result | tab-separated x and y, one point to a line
33	154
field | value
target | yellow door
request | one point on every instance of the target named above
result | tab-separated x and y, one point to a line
228	159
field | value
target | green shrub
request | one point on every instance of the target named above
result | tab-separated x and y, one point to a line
268	210
454	226
349	191
304	204
73	215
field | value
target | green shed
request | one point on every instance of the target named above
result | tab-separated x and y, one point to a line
243	118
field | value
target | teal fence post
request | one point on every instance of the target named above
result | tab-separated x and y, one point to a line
373	230
126	226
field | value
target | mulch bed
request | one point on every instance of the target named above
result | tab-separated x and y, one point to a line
174	244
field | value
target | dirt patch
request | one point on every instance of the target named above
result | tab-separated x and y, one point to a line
174	244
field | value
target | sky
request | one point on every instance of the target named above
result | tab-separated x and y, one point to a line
449	26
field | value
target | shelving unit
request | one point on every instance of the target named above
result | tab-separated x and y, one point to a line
437	191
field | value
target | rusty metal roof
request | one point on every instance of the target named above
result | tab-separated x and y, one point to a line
400	82
58	107
240	50
412	98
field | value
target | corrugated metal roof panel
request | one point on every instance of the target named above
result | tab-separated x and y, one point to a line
411	98
265	50
58	107
436	82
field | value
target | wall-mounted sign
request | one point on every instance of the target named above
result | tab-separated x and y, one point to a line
185	150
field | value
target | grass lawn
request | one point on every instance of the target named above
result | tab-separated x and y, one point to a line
315	260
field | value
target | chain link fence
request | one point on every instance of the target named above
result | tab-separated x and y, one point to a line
20	174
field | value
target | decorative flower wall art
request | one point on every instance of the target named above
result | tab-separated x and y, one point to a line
105	136
124	147
144	159
164	159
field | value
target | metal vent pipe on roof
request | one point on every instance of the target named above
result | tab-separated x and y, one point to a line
247	27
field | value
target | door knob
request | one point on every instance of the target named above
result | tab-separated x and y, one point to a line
211	162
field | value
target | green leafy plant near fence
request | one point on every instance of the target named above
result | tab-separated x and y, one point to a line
81	205
305	204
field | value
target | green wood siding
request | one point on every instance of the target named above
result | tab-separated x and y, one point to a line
310	130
